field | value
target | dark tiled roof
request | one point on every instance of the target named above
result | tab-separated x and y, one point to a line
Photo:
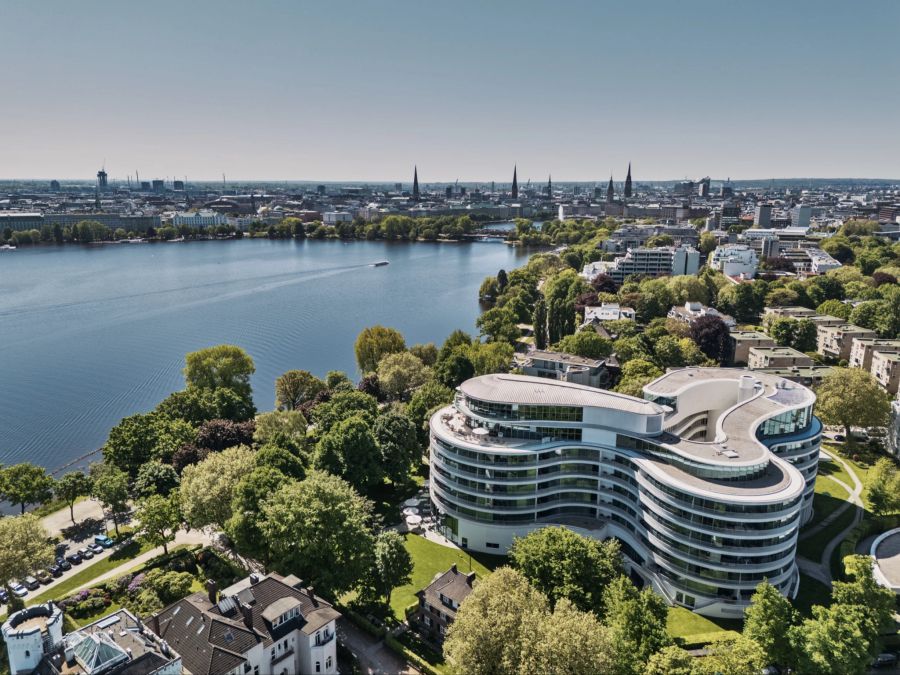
452	584
212	638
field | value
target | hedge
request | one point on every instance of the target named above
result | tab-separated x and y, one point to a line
698	640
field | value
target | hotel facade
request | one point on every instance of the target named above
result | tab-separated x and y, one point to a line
705	482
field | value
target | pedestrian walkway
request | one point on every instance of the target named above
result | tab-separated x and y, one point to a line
373	655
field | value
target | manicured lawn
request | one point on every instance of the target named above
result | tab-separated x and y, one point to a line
834	470
812	592
812	547
430	559
693	628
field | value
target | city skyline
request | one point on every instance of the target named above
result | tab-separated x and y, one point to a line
361	93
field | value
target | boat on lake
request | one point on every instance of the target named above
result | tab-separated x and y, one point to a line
381	263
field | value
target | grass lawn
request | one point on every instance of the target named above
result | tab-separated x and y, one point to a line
812	592
693	628
835	470
812	547
428	560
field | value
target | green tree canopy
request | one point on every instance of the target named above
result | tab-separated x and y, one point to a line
373	343
637	623
109	485
220	367
207	488
70	487
342	406
586	343
401	372
246	510
158	519
767	621
399	445
24	547
24	484
392	566
296	387
883	487
156	478
349	450
850	397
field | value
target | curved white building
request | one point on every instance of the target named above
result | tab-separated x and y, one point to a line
705	482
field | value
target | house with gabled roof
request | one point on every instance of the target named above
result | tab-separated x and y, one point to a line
440	600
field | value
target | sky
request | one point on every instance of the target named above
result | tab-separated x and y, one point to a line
364	90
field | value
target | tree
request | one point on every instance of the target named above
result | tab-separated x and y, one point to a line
568	642
805	334
401	372
110	488
342	406
712	337
539	323
737	656
740	301
671	660
220	367
883	487
850	397
207	488
767	621
138	438
243	527
863	591
284	428
296	387
282	460
455	369
349	450
498	325
337	381
217	435
492	624
835	308
423	402
373	343
156	478
868	314
562	564
635	374
490	357
835	639
400	449
392	565
637	621
25	484
707	243
585	343
456	339
320	529
70	487
502	280
427	353
24	548
158	520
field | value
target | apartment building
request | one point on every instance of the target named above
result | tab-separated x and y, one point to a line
836	341
861	350
200	219
808	376
705	482
734	260
566	368
776	357
608	311
886	370
691	311
649	262
262	625
743	340
440	600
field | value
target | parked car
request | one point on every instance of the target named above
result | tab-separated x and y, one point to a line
4	596
43	576
63	564
18	589
74	558
31	583
55	570
104	541
86	553
95	548
885	660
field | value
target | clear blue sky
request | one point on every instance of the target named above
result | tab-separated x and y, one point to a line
362	90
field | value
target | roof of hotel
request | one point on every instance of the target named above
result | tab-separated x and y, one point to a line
526	390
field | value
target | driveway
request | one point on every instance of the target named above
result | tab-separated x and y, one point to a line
374	656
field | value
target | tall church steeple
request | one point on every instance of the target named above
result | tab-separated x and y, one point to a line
549	187
415	183
610	191
515	185
627	191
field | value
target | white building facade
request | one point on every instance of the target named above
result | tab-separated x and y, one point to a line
735	260
200	219
705	482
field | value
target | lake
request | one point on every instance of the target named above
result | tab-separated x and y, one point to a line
89	335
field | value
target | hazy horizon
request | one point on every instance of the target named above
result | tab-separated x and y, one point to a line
346	91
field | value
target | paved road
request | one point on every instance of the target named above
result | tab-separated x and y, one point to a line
374	656
58	521
821	569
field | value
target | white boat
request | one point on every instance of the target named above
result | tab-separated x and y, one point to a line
381	263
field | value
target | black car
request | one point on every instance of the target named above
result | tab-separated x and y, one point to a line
55	570
4	596
74	558
63	564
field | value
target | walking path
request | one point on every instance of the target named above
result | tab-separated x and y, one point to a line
58	521
374	656
821	570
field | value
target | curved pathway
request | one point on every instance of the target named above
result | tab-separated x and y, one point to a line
821	570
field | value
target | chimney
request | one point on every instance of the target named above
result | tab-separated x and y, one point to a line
312	596
470	578
247	611
154	624
254	579
212	589
453	568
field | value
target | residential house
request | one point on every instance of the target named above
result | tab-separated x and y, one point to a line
608	311
262	625
836	341
440	600
886	369
694	310
566	368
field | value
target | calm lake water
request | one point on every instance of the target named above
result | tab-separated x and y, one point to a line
89	335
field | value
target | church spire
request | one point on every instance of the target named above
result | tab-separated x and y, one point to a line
515	184
549	186
610	191
415	183
628	182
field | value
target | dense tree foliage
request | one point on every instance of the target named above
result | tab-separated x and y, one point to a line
374	343
851	397
24	484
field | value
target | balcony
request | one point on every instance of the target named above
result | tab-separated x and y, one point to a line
324	638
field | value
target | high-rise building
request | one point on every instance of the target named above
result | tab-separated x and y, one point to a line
514	193
54	185
627	191
610	191
800	215
703	187
416	183
763	215
159	185
102	179
705	482
178	185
